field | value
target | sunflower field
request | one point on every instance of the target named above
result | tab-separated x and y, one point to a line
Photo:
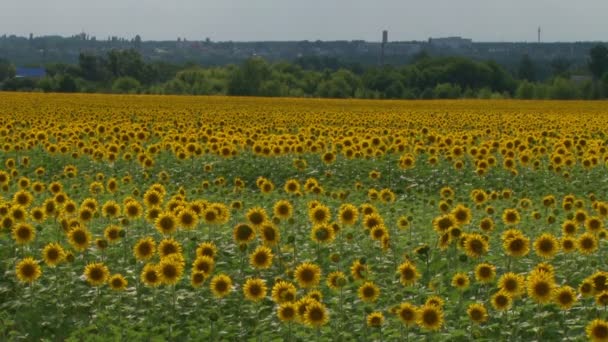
144	218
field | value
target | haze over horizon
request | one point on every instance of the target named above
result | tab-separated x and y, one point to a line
276	20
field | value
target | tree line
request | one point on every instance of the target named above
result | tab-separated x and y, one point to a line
426	77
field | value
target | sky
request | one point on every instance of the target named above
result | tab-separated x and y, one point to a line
279	20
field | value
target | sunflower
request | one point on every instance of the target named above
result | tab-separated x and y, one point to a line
501	301
28	270
601	299
443	223
358	270
38	214
79	238
254	289
23	233
368	292
408	313
594	224
166	223
320	214
564	297
113	233
292	186
307	275
568	244
475	245
512	284
283	292
511	216
18	213
53	254
597	330
243	233
486	224
23	198
261	258
336	280
187	219
599	280
144	248
375	319
256	216
408	273
110	209
372	220
517	246
153	198
96	273
270	234
461	214
287	312
170	270
169	247
85	214
403	223
118	282
316	314
430	317
540	287
460	281
485	273
348	214
150	276
322	233
546	246
204	265
587	243
133	209
221	285
283	209
197	279
477	313
206	248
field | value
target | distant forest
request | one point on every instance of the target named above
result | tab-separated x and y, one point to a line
452	69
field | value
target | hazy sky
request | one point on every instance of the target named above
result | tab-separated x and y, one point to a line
250	20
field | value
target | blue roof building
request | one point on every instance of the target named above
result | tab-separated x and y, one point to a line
30	72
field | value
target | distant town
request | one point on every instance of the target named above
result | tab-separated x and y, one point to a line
41	50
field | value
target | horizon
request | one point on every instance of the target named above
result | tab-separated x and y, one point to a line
288	20
423	40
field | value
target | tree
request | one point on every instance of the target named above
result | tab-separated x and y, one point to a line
525	91
7	70
526	69
127	85
598	63
67	84
90	67
248	78
560	67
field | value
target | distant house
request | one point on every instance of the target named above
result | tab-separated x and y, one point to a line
451	42
30	72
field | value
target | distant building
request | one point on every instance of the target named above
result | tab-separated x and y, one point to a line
30	72
451	42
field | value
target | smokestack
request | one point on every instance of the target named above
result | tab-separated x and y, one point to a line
384	41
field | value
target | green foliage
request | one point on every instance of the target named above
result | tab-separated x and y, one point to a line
527	69
598	63
525	91
126	84
426	77
562	89
7	69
